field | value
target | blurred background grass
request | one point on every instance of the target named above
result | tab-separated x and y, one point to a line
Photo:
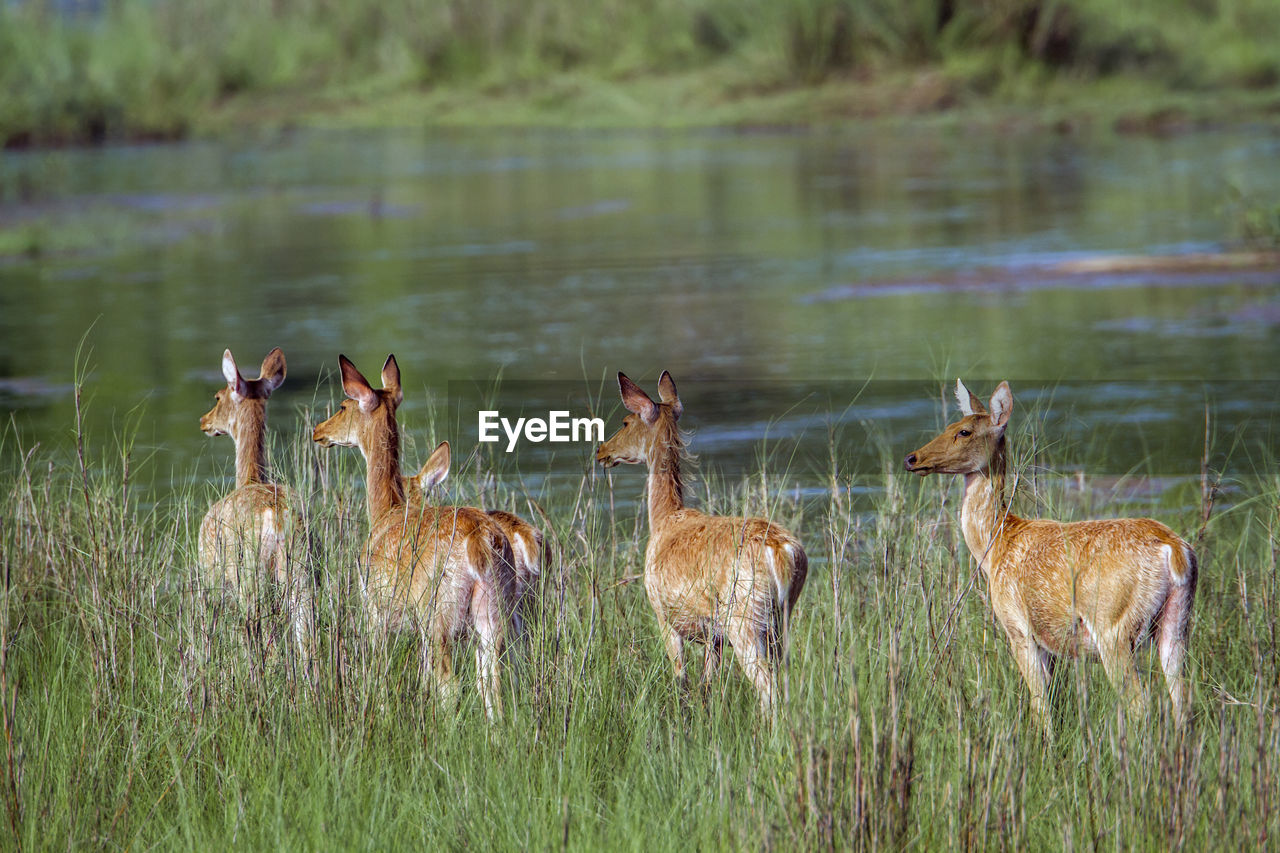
150	69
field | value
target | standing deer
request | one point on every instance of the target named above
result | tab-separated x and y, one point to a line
709	578
442	570
530	552
255	533
1061	588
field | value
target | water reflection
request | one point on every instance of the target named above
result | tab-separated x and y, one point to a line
801	259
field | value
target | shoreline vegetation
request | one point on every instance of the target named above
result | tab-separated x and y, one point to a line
142	709
127	70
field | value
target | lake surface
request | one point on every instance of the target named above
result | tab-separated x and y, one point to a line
774	274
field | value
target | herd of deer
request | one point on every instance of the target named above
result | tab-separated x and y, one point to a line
447	572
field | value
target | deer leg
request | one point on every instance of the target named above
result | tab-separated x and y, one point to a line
486	615
375	629
302	624
749	647
1122	671
1033	663
437	664
711	662
1175	623
300	610
674	645
300	600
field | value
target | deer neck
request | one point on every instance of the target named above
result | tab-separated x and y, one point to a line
250	436
666	489
385	484
984	514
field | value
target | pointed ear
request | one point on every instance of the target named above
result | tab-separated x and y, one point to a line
436	468
355	386
969	402
231	373
391	378
667	394
273	370
636	400
1001	405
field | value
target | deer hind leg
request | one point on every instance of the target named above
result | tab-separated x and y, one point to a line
750	647
1034	663
303	622
711	662
1117	653
1175	624
375	629
487	616
299	602
673	644
437	662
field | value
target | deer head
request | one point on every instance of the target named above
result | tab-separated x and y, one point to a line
648	422
242	398
368	416
968	445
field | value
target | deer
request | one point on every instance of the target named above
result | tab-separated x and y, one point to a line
444	571
530	551
709	579
1061	589
255	533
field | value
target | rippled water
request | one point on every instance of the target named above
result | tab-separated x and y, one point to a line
773	274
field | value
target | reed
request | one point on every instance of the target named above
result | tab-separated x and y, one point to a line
133	714
133	69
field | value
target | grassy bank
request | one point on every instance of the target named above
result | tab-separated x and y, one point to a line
140	710
134	70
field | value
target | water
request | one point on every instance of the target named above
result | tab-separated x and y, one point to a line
773	274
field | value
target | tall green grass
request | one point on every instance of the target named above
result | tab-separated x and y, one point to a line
139	708
140	69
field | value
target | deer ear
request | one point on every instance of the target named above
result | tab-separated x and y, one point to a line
391	378
273	371
667	394
1001	405
636	400
969	402
355	386
231	373
436	468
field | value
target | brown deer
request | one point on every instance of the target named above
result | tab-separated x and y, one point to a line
442	570
1058	589
255	533
709	578
531	554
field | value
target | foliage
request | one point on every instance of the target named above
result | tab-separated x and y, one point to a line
138	69
141	709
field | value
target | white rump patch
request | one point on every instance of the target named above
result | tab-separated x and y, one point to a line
1179	574
272	539
523	546
773	568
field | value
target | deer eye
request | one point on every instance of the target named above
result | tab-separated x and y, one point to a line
964	432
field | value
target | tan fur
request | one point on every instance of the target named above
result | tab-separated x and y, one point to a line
1059	589
709	578
254	535
532	555
441	570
